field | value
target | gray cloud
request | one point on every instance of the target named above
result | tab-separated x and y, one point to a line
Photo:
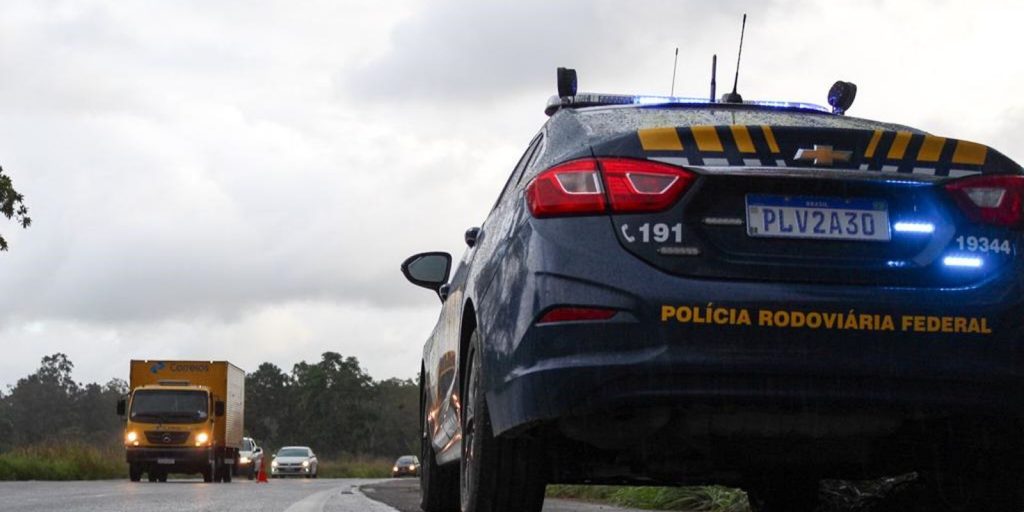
242	179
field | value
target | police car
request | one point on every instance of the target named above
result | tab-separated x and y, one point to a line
756	294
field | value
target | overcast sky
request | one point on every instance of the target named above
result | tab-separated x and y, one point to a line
240	179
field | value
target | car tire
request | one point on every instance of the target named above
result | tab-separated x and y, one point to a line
496	474
134	472
439	485
251	474
784	493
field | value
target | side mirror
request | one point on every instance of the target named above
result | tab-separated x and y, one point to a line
218	408
121	407
472	235
428	269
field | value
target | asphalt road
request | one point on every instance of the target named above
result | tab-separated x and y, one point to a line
299	495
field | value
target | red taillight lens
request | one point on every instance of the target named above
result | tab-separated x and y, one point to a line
637	186
993	199
575	314
634	186
572	188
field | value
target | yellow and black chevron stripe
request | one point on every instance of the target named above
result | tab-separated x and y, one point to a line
777	146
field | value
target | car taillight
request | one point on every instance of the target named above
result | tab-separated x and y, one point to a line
571	188
993	199
575	314
633	186
638	186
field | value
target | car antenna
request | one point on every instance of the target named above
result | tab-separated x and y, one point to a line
675	63
734	97
714	70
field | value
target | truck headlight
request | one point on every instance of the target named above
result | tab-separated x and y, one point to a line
202	438
305	463
131	437
244	460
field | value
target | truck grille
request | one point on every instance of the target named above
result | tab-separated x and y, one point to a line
157	437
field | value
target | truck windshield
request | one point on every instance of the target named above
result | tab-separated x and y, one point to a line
169	406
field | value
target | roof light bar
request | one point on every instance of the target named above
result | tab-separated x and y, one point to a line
588	99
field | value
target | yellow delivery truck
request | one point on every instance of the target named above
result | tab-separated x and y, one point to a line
183	417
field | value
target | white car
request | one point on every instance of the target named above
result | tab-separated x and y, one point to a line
294	461
250	456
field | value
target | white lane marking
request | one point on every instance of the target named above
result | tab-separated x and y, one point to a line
349	497
314	502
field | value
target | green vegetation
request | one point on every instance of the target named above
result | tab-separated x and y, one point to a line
690	499
53	428
355	467
65	461
12	205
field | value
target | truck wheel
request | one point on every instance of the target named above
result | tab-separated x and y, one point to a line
134	472
151	476
439	485
228	470
497	475
208	473
161	476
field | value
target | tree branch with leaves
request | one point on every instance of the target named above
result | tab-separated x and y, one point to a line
12	205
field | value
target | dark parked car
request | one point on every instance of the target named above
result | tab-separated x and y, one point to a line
762	295
406	465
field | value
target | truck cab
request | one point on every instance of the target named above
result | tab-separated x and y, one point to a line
183	425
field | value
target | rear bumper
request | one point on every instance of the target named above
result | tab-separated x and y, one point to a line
908	351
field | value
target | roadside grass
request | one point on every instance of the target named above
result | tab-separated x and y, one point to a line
355	467
62	461
689	499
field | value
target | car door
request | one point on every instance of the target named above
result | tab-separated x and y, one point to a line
443	349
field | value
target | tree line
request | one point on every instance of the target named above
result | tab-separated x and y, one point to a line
332	405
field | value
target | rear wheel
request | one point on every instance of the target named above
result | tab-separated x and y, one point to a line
227	472
497	475
439	485
151	476
161	476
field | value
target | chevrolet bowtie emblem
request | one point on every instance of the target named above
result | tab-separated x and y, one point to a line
823	155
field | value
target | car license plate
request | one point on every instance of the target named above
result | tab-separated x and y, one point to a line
826	218
165	461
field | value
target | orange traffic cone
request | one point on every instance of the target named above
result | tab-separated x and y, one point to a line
262	477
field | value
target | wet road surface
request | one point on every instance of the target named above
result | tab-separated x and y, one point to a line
299	495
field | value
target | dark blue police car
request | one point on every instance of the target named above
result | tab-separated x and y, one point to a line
757	294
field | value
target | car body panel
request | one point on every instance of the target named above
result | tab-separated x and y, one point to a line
936	342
